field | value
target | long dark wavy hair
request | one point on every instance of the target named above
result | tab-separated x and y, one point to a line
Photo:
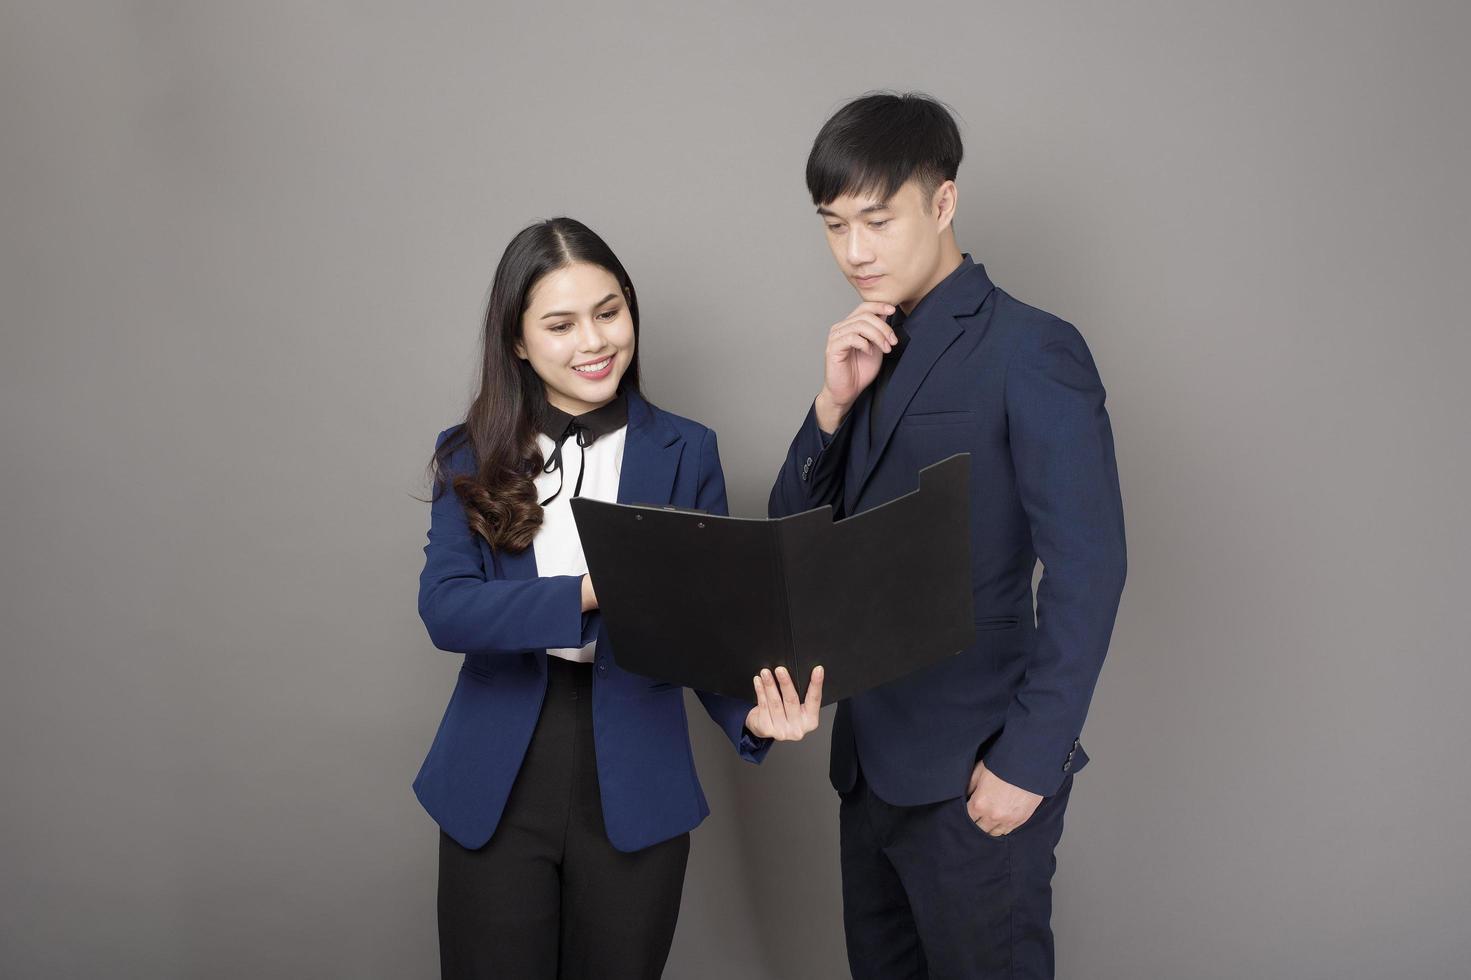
500	497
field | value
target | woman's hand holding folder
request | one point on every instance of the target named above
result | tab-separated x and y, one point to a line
778	714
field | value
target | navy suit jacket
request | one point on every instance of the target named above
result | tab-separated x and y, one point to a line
493	608
1017	389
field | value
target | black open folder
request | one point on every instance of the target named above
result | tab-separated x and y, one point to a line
707	601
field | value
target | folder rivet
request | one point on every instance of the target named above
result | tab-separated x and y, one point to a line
702	524
638	517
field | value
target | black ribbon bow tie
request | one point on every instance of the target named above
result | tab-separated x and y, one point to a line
584	429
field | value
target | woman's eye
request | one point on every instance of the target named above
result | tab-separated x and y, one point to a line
561	328
607	314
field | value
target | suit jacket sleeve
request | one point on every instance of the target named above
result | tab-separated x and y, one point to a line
467	611
813	472
727	712
1062	451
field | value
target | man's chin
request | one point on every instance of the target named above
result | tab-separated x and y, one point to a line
874	294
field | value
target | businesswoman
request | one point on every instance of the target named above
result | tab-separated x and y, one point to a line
564	787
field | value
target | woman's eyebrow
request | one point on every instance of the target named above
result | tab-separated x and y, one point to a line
573	313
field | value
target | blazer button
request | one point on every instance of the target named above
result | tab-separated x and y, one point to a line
602	666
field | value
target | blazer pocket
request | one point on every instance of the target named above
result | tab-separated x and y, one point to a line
937	418
997	622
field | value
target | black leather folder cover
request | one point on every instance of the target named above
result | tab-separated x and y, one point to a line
707	601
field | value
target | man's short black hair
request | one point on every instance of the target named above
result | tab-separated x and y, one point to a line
877	142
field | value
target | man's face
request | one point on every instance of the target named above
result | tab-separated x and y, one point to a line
889	250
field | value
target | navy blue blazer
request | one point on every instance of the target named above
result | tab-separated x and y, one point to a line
1017	389
493	608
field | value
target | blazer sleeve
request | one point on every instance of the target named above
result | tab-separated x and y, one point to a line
1067	478
467	610
727	712
812	474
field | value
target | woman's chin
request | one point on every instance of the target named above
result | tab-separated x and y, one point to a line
593	393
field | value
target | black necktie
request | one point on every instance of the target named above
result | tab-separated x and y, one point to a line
584	429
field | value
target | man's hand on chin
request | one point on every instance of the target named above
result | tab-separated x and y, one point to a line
996	806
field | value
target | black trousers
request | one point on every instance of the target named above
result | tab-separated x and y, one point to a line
927	893
549	896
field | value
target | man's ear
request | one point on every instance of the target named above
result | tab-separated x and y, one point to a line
942	206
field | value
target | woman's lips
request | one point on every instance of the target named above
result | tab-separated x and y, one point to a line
595	375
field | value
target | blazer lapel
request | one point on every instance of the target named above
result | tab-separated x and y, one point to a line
519	565
929	338
651	452
925	347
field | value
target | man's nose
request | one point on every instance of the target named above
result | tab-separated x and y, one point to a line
859	252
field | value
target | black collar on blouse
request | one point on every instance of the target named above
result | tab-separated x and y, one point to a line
584	429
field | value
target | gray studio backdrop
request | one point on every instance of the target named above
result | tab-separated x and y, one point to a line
243	252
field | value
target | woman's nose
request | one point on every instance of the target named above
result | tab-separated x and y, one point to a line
590	336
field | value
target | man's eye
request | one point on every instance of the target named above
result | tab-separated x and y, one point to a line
834	227
878	224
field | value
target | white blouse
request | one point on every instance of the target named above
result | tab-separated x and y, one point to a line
557	547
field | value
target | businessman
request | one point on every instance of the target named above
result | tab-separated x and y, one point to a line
954	780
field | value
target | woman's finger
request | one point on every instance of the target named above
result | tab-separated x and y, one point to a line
812	706
791	705
774	706
762	717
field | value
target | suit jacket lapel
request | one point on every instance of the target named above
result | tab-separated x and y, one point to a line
510	565
929	338
651	452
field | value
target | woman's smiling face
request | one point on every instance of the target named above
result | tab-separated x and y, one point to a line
577	334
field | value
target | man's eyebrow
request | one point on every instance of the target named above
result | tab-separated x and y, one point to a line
880	206
571	313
